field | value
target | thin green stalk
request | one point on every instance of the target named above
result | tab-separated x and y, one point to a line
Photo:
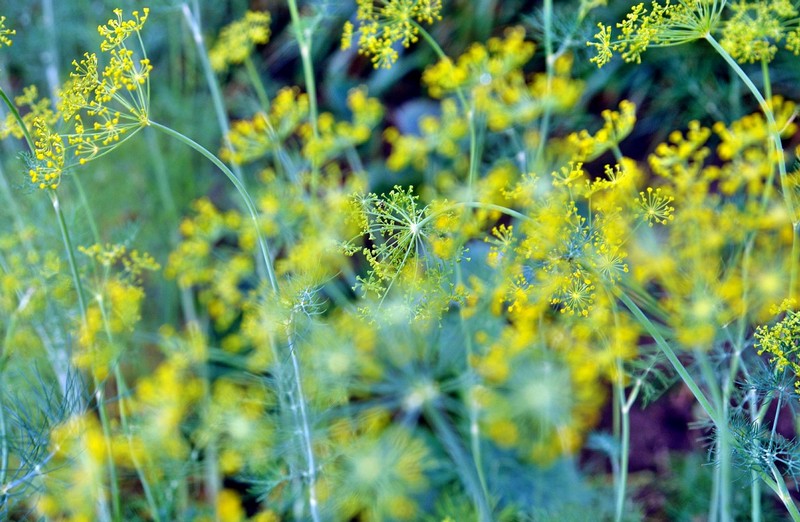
666	349
783	494
211	81
250	206
311	467
122	391
721	491
3	433
452	445
258	85
73	266
625	440
472	406
104	421
544	127
469	110
105	424
303	37
18	118
775	138
123	416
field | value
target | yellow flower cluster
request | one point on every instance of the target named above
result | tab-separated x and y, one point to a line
383	24
438	136
115	309
5	33
34	107
337	136
755	29
780	342
255	138
481	64
663	25
238	39
617	125
106	108
115	32
48	156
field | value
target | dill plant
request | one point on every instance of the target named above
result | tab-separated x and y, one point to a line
440	349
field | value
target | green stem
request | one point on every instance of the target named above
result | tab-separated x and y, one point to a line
122	392
452	445
625	440
73	266
775	135
544	127
258	85
471	403
112	469
211	81
303	36
3	435
783	494
305	430
250	206
112	473
720	495
468	109
148	492
666	349
18	118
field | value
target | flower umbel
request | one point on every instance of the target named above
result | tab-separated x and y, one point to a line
5	33
385	23
661	26
237	40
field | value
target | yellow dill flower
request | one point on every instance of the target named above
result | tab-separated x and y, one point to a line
617	125
34	108
655	207
256	137
780	341
438	135
383	24
681	159
755	29
5	33
334	137
481	65
238	39
106	108
347	35
77	476
47	162
663	25
115	32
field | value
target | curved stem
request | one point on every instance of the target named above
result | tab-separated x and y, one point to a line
248	201
18	118
666	349
775	135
